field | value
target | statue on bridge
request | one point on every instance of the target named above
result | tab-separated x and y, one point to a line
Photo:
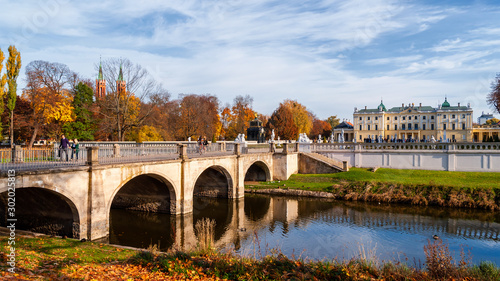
272	136
303	138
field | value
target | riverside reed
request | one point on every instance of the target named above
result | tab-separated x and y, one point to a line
417	187
45	258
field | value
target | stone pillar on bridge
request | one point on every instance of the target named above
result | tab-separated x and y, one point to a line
345	167
17	154
237	149
285	148
116	150
92	155
183	151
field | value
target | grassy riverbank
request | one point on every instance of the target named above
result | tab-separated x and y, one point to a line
418	187
46	258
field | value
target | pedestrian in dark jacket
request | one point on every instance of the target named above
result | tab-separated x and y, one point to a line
64	147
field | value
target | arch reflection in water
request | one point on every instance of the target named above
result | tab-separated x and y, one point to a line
323	228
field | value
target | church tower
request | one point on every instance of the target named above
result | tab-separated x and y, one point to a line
121	85
100	84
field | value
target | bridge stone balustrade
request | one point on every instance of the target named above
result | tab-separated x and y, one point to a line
468	157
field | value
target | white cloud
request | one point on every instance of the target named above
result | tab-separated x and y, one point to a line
271	50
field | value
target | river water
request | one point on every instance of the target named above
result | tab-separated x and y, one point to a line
318	229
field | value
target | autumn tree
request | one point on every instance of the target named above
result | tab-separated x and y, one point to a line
198	115
333	121
493	98
320	127
283	123
163	115
121	108
301	117
492	121
23	116
236	120
49	90
3	80
13	67
83	127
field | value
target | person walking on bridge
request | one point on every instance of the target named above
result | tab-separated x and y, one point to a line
63	147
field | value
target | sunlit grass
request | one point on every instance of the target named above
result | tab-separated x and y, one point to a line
390	176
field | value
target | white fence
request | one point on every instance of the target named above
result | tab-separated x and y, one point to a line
477	157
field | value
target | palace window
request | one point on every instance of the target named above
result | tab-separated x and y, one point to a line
360	118
444	116
376	118
432	126
423	117
395	118
388	118
403	127
388	128
376	127
361	127
368	117
463	115
396	127
409	126
409	117
368	127
463	126
423	126
404	117
453	126
444	126
416	126
432	117
453	116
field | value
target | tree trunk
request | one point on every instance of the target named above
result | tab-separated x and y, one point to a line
33	137
11	131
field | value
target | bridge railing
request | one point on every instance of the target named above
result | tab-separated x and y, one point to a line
128	154
93	153
36	158
323	147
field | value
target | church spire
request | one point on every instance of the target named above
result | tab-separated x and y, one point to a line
121	85
100	83
100	76
120	75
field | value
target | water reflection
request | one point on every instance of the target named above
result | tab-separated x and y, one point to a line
316	228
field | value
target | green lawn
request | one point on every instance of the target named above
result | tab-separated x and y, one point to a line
391	176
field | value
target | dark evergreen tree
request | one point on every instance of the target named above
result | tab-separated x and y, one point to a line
84	127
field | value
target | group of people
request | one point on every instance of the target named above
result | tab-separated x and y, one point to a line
202	144
66	146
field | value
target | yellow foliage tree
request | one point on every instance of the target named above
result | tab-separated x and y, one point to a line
146	133
301	117
3	80
53	108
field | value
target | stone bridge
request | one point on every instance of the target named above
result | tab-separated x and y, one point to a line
76	199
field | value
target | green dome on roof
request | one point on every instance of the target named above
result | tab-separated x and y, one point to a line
382	106
445	103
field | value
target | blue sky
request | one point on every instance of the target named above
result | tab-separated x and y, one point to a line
329	55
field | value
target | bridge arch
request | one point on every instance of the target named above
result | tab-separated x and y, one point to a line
257	170
33	212
214	181
150	192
